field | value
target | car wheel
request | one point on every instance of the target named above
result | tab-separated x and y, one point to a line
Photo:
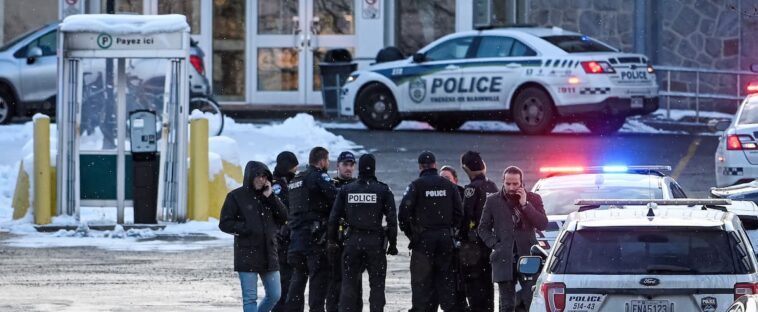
377	108
534	112
7	107
446	125
605	125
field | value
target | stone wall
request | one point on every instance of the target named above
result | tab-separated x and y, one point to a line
681	33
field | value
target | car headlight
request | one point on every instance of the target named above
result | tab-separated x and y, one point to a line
352	77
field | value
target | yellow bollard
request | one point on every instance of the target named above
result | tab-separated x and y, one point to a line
21	194
42	196
217	191
199	169
233	171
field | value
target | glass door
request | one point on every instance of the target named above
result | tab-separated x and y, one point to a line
290	38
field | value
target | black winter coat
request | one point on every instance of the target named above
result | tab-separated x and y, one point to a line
253	219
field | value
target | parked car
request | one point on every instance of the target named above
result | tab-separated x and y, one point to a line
534	76
28	73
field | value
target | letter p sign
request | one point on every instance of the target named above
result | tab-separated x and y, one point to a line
104	41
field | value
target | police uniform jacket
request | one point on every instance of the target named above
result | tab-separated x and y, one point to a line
362	205
431	202
311	196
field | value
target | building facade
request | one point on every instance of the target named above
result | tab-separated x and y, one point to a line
264	53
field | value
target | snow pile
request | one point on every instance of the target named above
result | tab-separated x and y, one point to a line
297	134
240	143
125	24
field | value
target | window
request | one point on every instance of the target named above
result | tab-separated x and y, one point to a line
520	49
578	44
560	201
644	250
48	43
420	22
453	49
676	190
491	46
749	114
190	9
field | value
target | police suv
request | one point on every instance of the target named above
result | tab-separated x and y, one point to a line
639	259
533	76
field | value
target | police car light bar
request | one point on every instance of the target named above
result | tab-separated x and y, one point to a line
628	168
659	202
562	169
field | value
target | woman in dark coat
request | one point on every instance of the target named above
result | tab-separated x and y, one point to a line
253	216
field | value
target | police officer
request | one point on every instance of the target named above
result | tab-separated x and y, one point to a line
430	211
362	205
345	167
284	172
474	254
311	195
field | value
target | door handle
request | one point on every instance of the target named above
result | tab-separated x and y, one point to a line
315	31
297	33
513	65
452	67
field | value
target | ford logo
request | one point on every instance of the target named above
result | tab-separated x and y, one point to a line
650	281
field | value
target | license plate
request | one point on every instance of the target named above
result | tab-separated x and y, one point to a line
638	102
650	306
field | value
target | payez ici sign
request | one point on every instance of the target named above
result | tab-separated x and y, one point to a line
108	42
456	89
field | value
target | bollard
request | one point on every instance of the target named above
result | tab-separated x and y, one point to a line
198	188
42	175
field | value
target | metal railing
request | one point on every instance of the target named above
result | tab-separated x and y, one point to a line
665	90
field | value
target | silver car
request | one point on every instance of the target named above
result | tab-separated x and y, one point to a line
28	73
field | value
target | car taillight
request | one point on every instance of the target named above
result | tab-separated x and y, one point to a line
197	63
597	67
735	142
555	296
741	289
752	87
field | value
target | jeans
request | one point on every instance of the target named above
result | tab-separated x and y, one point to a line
249	283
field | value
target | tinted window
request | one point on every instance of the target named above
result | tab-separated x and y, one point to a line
20	38
633	250
520	49
494	47
452	49
559	193
578	44
749	113
677	191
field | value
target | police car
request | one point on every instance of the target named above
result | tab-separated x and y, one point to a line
530	75
563	185
736	158
656	258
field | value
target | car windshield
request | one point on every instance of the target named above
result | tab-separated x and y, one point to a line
578	44
749	112
20	38
559	193
646	250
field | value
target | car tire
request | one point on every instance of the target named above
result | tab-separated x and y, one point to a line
7	107
605	125
377	109
446	125
533	111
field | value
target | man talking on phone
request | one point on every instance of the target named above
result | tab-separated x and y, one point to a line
509	220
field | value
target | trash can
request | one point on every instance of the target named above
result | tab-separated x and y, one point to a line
335	68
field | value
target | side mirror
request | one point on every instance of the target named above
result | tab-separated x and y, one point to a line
718	124
419	57
754	68
538	251
33	54
530	265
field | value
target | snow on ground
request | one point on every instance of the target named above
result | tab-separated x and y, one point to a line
633	125
261	142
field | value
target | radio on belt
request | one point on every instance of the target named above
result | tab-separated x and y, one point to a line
144	136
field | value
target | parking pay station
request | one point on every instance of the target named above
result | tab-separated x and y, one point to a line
122	115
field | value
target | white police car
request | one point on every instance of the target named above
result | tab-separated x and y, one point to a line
533	76
736	158
657	258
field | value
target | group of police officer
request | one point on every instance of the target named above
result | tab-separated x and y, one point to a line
339	227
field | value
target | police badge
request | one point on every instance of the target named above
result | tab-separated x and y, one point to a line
469	192
708	304
417	90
